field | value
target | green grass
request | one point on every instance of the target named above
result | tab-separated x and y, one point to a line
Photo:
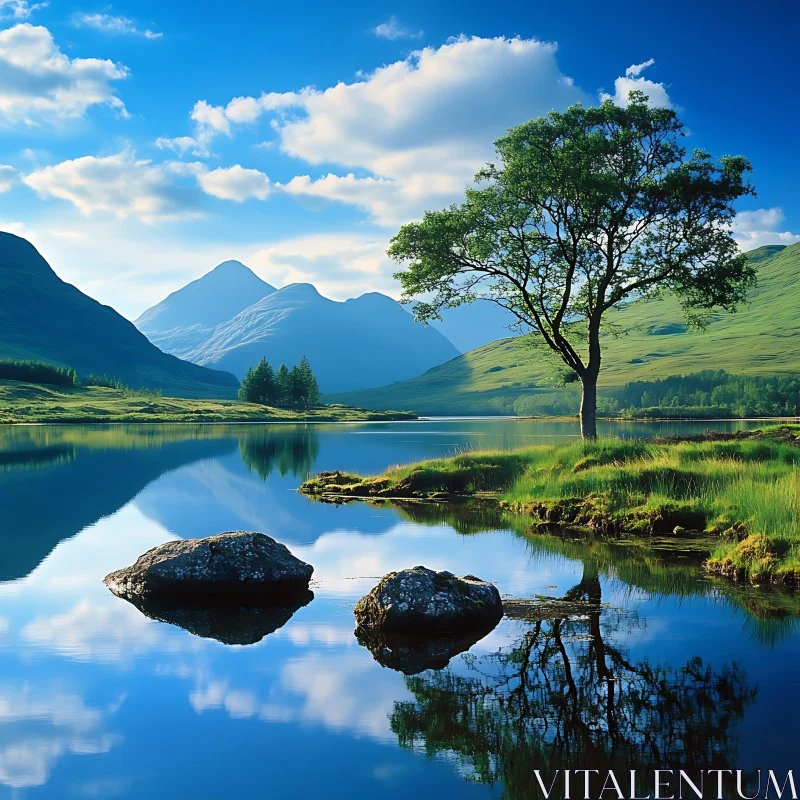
742	494
762	338
39	403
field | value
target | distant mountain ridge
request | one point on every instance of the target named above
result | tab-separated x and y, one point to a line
43	318
761	338
358	343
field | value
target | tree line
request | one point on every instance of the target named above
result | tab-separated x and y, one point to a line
37	372
711	393
295	387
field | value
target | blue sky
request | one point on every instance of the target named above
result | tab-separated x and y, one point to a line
141	143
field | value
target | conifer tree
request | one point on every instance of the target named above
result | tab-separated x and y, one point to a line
282	379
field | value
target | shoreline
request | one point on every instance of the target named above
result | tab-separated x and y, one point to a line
738	491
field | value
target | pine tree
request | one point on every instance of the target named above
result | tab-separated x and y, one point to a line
247	388
284	389
309	383
266	387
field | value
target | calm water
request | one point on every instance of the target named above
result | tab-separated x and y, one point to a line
97	700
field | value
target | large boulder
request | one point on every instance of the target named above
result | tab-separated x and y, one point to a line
422	601
237	564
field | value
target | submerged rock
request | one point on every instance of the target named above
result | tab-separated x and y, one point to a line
422	601
227	622
411	654
238	564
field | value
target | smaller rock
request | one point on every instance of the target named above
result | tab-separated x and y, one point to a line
422	601
240	564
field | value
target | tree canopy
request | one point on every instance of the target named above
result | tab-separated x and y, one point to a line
295	387
585	210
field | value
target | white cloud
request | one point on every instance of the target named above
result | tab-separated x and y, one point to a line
121	185
38	81
392	29
180	145
111	24
8	177
753	229
421	126
634	70
18	9
633	82
235	183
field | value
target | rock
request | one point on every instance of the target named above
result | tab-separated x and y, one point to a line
238	564
411	654
227	622
421	601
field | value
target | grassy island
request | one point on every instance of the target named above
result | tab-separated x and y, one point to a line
739	492
22	402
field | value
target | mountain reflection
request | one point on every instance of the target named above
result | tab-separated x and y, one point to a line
89	472
567	695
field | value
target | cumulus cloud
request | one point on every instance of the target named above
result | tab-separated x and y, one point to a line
121	185
420	127
753	229
38	81
633	81
111	24
126	186
18	9
235	183
392	29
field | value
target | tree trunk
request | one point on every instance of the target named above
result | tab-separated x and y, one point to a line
589	406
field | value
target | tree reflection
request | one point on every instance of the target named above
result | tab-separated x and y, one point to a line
285	448
567	696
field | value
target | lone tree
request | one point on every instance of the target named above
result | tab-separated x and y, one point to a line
586	209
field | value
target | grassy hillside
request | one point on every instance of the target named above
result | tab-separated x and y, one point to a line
42	318
36	403
762	338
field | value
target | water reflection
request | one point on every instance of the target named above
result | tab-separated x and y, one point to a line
229	623
566	695
96	698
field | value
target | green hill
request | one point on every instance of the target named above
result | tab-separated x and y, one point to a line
42	318
762	338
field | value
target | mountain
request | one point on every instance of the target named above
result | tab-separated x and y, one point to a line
188	316
761	338
474	325
362	342
46	319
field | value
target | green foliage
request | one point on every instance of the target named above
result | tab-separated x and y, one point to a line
37	372
107	381
713	392
295	388
587	209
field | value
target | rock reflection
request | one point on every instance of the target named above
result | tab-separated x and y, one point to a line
567	696
227	622
413	654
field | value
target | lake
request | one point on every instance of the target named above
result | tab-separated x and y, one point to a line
98	700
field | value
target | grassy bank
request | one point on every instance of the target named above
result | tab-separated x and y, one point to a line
742	491
39	403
